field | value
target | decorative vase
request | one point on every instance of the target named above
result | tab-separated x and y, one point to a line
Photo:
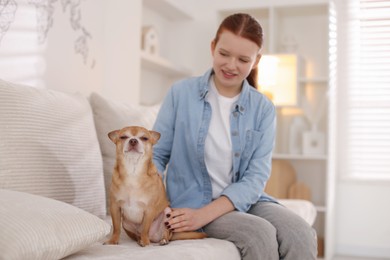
297	127
313	142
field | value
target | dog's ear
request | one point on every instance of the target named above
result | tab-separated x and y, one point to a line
113	135
155	136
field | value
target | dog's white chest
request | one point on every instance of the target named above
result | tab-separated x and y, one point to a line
133	204
133	211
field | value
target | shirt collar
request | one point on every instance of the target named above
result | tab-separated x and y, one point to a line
240	106
204	84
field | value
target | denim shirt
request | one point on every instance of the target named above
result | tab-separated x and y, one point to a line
183	122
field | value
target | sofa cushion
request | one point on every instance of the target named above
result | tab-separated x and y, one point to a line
194	249
35	227
111	115
49	146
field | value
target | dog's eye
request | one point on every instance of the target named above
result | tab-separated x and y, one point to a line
144	138
123	137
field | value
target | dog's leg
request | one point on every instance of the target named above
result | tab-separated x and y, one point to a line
146	223
165	237
115	211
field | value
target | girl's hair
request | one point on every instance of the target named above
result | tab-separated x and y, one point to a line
248	27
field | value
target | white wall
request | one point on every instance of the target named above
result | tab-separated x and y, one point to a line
67	70
362	218
122	27
109	58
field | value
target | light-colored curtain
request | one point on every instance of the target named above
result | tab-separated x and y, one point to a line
363	85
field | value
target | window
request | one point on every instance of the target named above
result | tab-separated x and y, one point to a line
364	75
21	55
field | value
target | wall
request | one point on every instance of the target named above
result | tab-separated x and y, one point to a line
72	46
362	218
73	54
122	27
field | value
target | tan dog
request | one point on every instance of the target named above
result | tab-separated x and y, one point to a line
137	196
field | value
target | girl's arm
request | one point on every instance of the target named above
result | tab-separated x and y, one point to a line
186	219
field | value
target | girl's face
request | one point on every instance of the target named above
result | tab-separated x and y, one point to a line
234	58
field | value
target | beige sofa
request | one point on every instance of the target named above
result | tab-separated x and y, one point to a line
55	168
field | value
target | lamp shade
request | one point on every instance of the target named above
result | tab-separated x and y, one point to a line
278	78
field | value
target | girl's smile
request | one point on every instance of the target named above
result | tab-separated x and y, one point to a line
228	75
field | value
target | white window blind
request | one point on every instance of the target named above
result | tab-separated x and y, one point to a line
22	57
368	90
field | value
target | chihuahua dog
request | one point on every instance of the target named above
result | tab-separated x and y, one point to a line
138	199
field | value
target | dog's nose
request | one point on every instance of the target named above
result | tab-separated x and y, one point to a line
133	142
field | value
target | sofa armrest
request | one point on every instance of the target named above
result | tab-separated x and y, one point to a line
303	208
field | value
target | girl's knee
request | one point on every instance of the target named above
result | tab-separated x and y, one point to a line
259	241
299	243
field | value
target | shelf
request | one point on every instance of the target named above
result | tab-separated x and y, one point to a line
318	80
167	9
286	156
162	65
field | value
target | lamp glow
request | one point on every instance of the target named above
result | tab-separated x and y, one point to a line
278	78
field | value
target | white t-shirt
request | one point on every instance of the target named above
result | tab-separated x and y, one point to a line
218	145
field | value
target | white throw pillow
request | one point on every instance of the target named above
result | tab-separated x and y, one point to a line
35	227
49	147
111	115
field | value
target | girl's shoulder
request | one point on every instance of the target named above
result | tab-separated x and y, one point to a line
259	98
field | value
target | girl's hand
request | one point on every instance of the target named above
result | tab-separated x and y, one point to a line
185	219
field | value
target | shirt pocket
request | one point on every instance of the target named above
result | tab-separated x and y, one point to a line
252	142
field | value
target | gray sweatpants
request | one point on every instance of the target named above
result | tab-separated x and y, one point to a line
268	231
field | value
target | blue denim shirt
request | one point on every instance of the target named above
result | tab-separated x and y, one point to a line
183	122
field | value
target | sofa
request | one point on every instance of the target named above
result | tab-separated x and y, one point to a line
55	171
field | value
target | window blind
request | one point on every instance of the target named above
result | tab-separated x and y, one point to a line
368	89
22	57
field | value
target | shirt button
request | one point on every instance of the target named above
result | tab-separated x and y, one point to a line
235	114
237	154
241	109
235	133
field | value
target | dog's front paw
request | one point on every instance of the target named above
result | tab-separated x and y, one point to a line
112	241
144	242
164	242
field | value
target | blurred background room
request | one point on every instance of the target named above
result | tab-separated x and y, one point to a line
325	65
